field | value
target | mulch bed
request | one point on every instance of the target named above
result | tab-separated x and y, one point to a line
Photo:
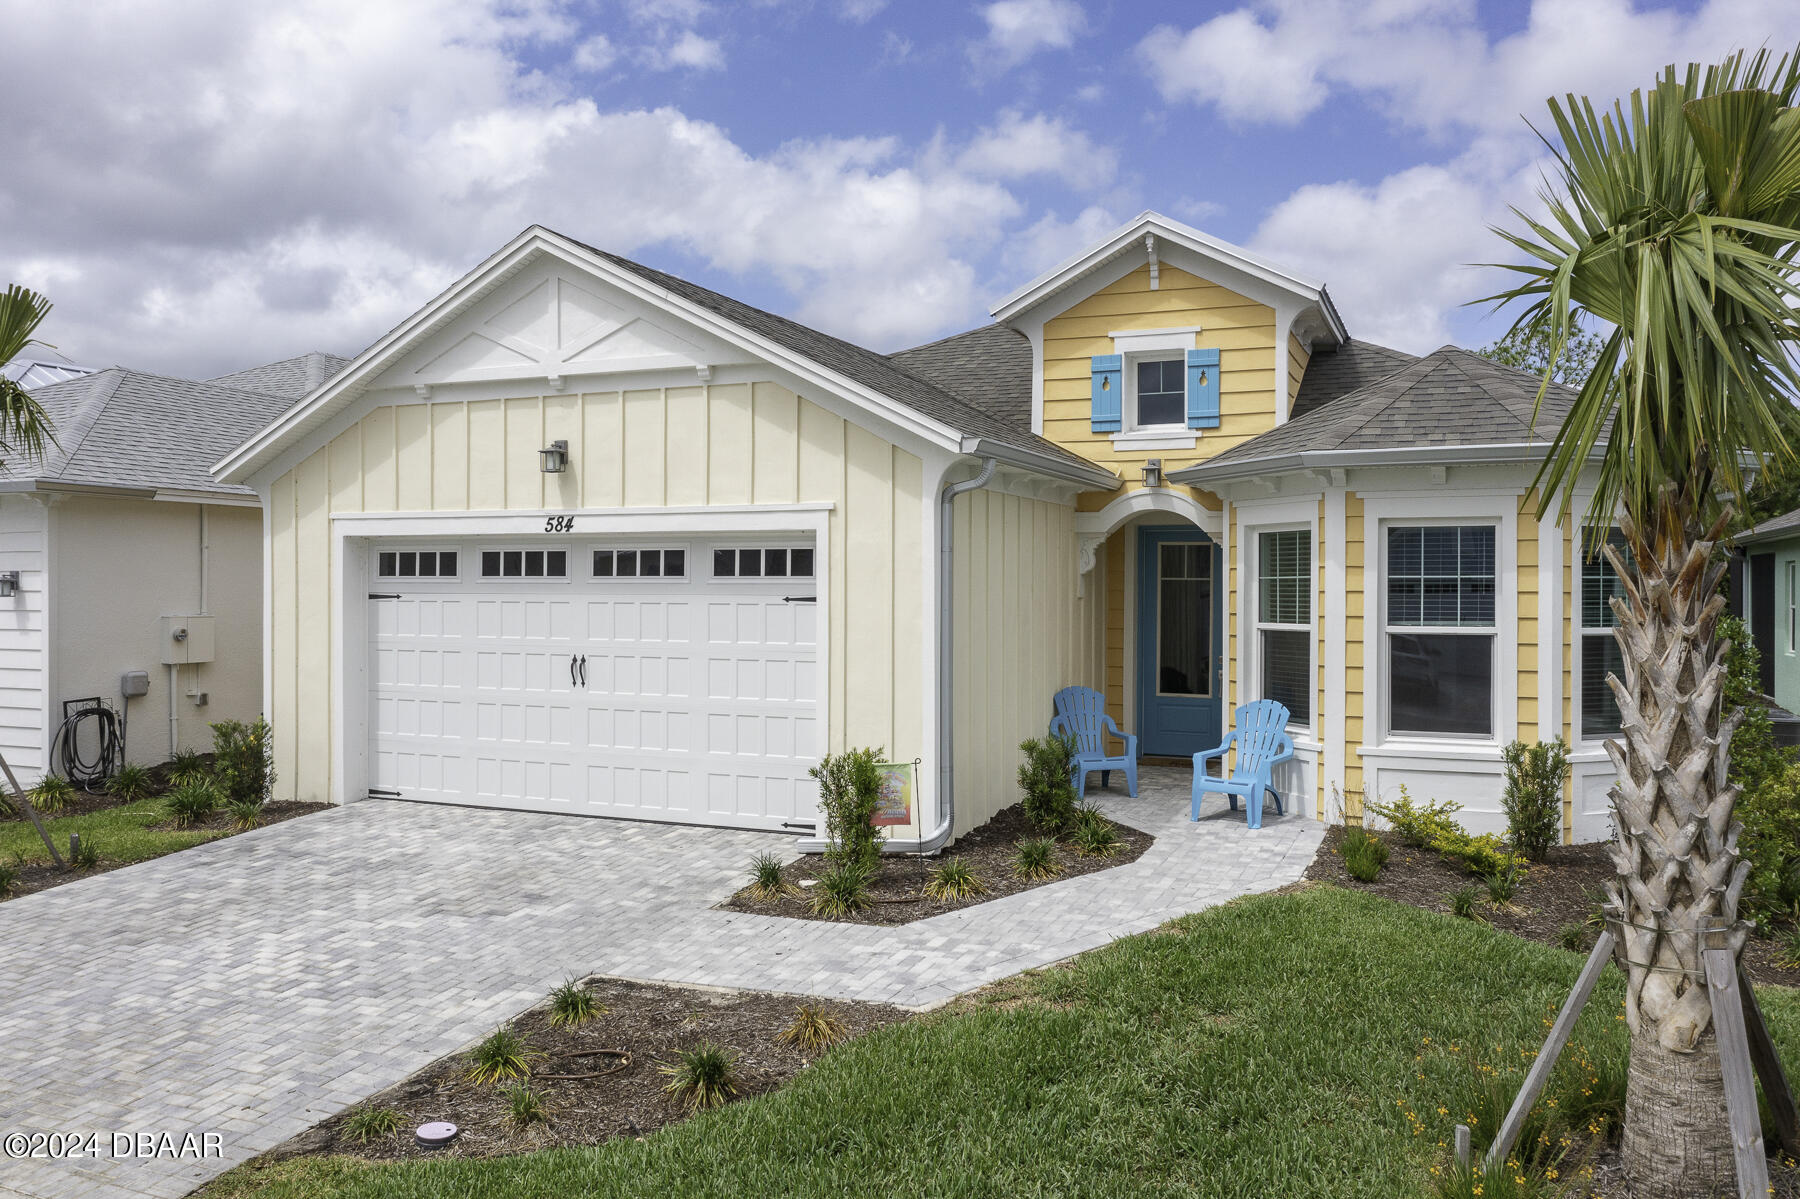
898	890
1562	890
650	1022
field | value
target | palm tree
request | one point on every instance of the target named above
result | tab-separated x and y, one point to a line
1674	220
23	425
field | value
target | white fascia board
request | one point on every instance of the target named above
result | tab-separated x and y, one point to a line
1091	476
1129	237
56	487
1202	473
244	461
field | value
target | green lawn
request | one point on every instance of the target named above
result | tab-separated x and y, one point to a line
1297	1044
123	834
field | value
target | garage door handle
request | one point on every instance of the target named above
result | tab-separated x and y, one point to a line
799	599
571	670
584	671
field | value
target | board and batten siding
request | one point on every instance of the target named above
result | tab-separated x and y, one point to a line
718	444
1022	633
24	644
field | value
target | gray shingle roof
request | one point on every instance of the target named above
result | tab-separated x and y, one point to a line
1343	369
124	428
989	367
1450	397
1773	529
291	377
875	371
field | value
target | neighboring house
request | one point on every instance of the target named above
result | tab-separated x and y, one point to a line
40	367
583	536
1770	595
120	526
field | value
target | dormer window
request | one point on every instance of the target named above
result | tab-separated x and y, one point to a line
1161	393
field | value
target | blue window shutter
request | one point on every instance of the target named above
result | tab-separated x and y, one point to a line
1203	389
1109	391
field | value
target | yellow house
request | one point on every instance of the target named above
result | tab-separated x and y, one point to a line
583	536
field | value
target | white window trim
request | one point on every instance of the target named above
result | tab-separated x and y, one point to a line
386	547
1793	613
1579	632
1383	511
1254	519
1151	345
1258	626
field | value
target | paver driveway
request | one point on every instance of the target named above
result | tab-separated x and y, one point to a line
251	987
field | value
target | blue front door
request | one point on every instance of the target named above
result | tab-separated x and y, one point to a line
1179	625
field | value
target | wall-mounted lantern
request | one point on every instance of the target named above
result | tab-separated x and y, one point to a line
555	457
9	583
1153	473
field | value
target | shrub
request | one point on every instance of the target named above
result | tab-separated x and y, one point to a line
703	1076
1465	903
246	814
1364	854
1485	855
765	877
244	759
1046	780
1036	859
504	1054
1769	805
842	890
849	791
1418	826
812	1029
84	854
1094	836
187	766
952	879
1572	937
52	794
1532	796
9	878
364	1123
572	1004
131	782
1788	951
191	803
524	1106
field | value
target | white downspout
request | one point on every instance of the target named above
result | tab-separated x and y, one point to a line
934	840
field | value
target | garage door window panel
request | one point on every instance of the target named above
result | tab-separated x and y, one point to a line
415	564
524	564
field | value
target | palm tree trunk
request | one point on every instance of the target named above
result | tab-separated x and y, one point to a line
1675	849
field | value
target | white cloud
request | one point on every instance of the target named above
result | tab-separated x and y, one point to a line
1018	29
860	12
1018	146
305	177
595	53
1050	241
689	51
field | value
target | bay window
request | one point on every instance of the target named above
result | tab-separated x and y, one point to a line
1441	629
1284	620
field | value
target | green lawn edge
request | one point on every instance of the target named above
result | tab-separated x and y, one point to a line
123	834
1293	1044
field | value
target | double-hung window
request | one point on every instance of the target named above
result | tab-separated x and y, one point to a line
1599	649
1440	627
1161	393
1284	620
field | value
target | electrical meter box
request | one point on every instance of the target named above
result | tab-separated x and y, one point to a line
187	639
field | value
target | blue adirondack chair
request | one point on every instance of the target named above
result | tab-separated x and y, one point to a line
1081	714
1262	743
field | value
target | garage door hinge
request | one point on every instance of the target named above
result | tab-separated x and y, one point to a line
799	599
378	793
384	595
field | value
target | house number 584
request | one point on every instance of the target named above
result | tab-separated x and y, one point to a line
559	524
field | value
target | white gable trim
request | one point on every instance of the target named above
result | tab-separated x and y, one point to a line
1127	242
341	392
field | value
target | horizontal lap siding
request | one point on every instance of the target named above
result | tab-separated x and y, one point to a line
23	663
722	444
1019	628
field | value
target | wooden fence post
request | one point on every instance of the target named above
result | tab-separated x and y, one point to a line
1734	1060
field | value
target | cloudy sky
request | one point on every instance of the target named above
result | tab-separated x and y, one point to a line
200	186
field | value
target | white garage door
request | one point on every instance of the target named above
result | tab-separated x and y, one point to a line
667	682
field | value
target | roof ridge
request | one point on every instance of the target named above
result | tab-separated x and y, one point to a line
1366	395
1465	358
87	415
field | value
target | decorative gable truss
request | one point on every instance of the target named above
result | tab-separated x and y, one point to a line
552	323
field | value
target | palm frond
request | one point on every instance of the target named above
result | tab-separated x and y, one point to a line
24	427
1673	217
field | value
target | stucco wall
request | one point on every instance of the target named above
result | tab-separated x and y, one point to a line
120	566
1022	633
23	649
703	445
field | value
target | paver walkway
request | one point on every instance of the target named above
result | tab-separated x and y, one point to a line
251	987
